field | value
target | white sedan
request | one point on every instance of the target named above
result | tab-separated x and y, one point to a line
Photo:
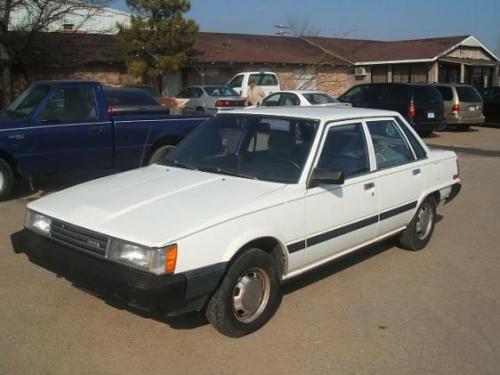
248	200
301	98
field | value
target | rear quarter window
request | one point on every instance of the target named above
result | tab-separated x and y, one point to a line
468	94
426	95
446	92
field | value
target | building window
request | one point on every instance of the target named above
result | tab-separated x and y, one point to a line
379	74
404	73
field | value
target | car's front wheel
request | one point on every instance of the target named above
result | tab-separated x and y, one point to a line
247	297
419	232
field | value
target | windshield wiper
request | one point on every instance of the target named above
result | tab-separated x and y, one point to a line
226	172
177	163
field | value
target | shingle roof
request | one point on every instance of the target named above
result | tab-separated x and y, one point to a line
72	49
373	50
245	48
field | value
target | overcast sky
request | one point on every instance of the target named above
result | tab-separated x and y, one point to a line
364	19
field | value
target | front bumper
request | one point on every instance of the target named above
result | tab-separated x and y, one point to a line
169	294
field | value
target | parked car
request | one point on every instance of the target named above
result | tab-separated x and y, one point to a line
463	105
491	99
131	100
210	98
268	81
300	98
248	200
420	104
57	126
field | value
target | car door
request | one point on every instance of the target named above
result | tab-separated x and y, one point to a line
339	217
71	131
398	174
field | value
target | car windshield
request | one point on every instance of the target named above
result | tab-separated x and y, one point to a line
26	103
320	98
220	91
258	147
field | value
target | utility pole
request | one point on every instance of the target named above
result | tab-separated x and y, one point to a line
281	30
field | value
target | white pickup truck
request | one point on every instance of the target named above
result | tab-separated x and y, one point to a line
249	200
268	81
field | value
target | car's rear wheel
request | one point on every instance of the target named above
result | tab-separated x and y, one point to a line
160	153
419	232
247	297
6	180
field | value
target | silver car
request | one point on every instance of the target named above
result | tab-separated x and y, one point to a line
210	98
463	105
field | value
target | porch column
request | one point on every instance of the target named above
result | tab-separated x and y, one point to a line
389	73
462	73
496	79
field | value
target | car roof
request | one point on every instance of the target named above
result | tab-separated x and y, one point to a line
66	81
317	112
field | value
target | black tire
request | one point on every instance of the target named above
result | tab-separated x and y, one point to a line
465	127
221	311
425	133
414	237
159	153
6	180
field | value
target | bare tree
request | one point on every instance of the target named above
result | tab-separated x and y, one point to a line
323	71
32	17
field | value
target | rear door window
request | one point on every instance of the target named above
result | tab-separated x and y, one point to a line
468	94
446	92
376	93
400	93
290	99
391	149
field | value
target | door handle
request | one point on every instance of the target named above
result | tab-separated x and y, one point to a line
96	129
369	185
416	171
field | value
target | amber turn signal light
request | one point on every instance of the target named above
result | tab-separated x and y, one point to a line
171	258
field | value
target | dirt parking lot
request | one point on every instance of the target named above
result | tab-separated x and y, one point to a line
380	311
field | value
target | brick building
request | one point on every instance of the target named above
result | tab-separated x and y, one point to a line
329	64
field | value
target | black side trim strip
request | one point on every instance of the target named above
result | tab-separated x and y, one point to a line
398	210
341	231
296	246
314	240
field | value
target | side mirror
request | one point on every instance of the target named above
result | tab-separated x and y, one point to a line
325	176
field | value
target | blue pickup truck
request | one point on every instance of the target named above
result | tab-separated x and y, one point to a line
56	126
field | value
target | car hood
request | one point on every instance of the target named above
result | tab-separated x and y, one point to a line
156	205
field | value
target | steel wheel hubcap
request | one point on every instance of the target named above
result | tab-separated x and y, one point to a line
425	218
251	295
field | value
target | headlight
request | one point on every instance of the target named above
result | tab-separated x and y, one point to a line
38	222
154	260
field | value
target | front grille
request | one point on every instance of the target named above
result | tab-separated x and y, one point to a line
79	238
